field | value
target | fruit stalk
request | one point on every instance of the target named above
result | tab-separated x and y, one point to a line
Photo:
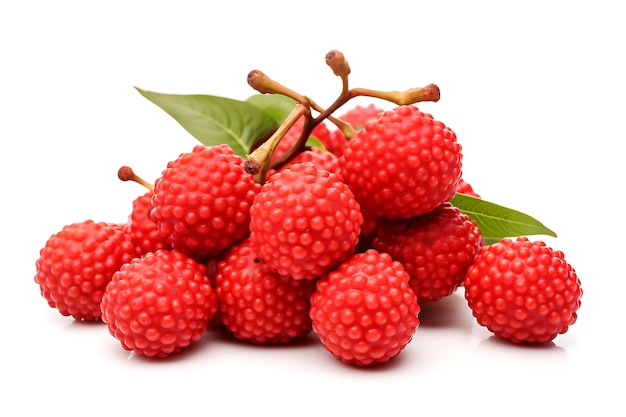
265	85
339	64
126	173
430	92
258	162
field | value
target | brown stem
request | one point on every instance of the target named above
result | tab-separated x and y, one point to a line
265	85
414	95
347	130
339	64
430	92
126	173
258	161
300	144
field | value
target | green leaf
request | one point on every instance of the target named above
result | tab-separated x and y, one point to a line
497	222
276	106
316	143
214	120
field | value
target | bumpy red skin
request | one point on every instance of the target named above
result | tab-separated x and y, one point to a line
304	222
523	291
159	304
77	263
358	115
256	304
463	187
402	164
142	230
323	160
335	142
365	312
202	200
435	249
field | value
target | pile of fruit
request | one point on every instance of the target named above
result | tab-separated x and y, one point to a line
289	218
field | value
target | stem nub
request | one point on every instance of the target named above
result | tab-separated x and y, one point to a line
338	63
258	162
126	173
265	85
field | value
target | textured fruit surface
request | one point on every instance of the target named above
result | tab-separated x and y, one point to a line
304	221
358	115
435	249
365	312
335	142
523	291
77	263
255	303
158	304
321	159
142	229
402	164
202	200
464	187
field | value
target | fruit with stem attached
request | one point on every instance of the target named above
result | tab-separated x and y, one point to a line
202	200
304	221
143	231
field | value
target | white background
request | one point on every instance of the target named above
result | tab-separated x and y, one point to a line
534	91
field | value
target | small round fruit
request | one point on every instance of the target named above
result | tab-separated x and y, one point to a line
159	304
258	305
77	263
435	249
365	312
402	164
304	222
201	202
523	291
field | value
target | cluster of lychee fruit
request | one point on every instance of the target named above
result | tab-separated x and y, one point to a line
347	241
